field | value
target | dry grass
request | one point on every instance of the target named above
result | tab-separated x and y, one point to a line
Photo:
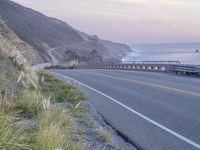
80	113
13	59
104	136
55	130
54	115
50	138
11	136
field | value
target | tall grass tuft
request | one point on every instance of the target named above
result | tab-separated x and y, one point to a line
28	103
7	107
53	116
11	136
54	130
50	138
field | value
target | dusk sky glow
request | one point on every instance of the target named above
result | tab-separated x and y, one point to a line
128	21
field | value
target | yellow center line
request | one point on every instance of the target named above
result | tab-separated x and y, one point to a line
147	84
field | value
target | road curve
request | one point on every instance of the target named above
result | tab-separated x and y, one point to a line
154	111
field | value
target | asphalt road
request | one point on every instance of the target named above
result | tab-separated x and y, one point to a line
154	111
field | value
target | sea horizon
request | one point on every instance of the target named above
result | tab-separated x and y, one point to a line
186	53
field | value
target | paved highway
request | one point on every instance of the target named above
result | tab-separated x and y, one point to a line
154	111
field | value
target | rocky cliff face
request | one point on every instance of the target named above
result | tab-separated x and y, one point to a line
44	33
11	45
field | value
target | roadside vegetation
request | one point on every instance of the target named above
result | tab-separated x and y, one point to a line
29	115
60	91
104	137
53	128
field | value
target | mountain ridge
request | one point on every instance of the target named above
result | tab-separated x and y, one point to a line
43	33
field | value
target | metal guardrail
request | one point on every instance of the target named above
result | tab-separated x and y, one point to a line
151	62
139	67
151	66
186	69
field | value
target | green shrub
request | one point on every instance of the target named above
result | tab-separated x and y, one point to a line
59	90
28	103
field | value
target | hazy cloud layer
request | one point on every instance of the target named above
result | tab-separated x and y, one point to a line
130	21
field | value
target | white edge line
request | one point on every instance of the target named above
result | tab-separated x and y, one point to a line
137	113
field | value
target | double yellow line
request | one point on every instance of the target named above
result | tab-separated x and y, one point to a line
149	84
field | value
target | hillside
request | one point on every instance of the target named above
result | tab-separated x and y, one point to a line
44	33
11	45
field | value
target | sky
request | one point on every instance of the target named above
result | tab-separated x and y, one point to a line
128	21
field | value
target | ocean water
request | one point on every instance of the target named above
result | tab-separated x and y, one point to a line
185	53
